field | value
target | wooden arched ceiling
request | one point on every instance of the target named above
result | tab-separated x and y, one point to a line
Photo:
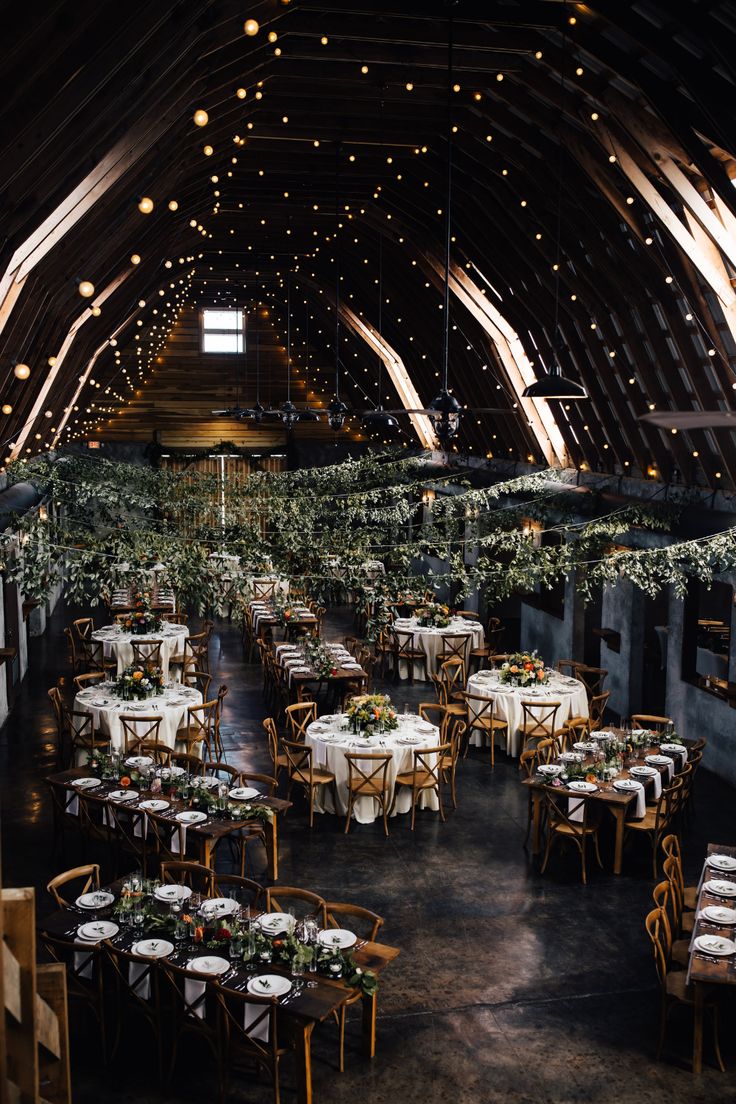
604	127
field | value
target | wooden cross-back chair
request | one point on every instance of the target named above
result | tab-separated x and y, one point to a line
92	654
449	761
199	878
650	721
92	678
199	679
139	728
673	984
593	678
264	590
74	656
426	774
62	726
452	673
302	772
84	739
302	901
574	823
454	646
83	627
597	708
405	651
368	777
658	820
279	761
198	734
366	924
482	718
130	833
147	653
91	875
298	718
539	721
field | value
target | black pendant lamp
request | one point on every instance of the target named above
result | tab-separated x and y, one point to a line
289	413
447	411
553	385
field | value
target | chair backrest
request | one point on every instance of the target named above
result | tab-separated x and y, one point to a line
177	618
192	764
455	646
273	739
436	714
82	730
245	890
302	901
547	750
199	878
130	825
81	682
264	590
92	653
138	978
658	931
168	837
405	644
196	652
665	897
138	728
539	719
497	659
200	679
597	707
266	781
201	720
57	704
147	652
426	765
453	674
440	689
83	627
651	721
567	667
567	811
258	1041
363	919
480	709
673	874
592	677
367	773
298	718
528	761
469	615
222	771
90	872
298	760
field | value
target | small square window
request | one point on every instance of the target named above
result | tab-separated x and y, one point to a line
222	331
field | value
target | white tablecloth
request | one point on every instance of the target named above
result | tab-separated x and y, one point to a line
569	692
171	706
118	643
429	641
330	755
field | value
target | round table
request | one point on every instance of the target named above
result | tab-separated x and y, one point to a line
569	692
118	644
330	739
429	641
170	705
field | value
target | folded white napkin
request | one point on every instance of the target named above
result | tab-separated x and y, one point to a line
575	808
179	841
139	979
641	803
252	1028
193	990
72	806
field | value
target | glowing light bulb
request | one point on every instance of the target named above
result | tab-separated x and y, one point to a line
86	289
241	93
7	408
207	151
21	371
135	258
96	311
173	205
145	205
251	27
201	118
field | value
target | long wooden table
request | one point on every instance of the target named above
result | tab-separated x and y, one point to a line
205	836
702	970
313	1002
158	602
618	804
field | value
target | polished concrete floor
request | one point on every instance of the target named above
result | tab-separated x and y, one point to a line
510	986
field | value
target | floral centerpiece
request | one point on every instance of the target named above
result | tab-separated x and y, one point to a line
283	609
524	669
369	713
319	658
141	618
434	615
139	681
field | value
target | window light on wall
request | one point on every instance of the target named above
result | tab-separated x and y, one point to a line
222	331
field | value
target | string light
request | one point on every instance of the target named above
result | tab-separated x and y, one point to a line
135	258
145	205
251	27
21	371
201	118
86	289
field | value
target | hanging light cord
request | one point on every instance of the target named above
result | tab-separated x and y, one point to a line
288	339
558	245
337	272
448	215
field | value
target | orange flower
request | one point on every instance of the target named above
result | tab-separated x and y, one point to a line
528	666
590	778
198	934
137	676
125	781
540	674
514	670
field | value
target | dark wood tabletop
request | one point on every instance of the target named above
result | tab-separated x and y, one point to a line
711	968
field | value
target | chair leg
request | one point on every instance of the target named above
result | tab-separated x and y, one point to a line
349	815
341	1028
384	810
413	806
716	1041
311	806
662	1025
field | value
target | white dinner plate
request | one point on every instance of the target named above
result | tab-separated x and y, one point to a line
720	888
341	938
96	930
409	739
722	862
714	945
172	892
209	964
85	783
644	772
244	793
657	760
100	702
585	745
152	948
99	899
552	769
571	757
269	985
579	786
122	795
626	785
219	906
175	772
191	816
719	914
140	707
273	922
154	805
677	749
139	761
